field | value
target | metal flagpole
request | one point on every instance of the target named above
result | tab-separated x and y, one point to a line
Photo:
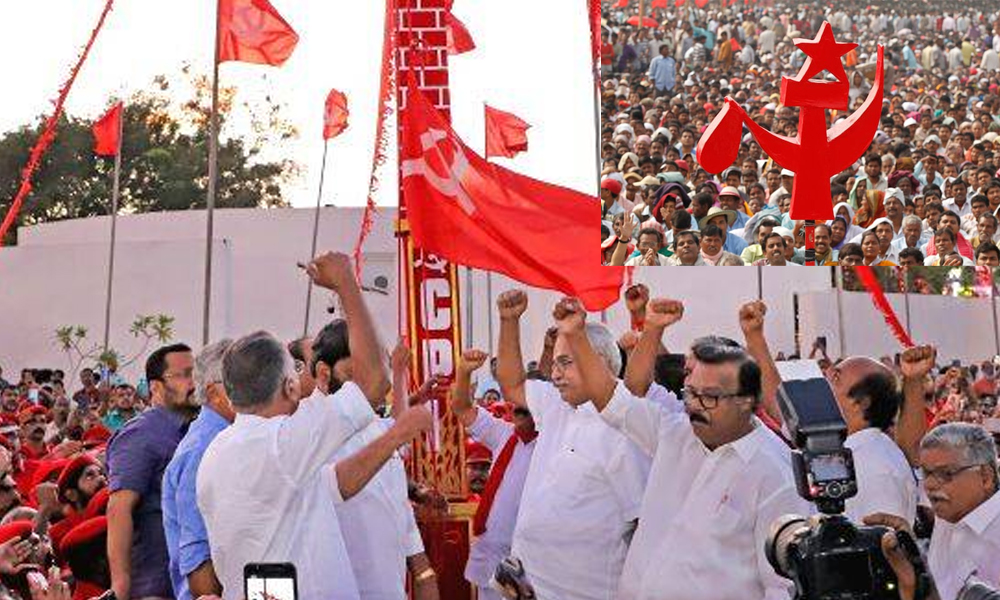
489	302
312	251
114	222
760	282
213	159
469	315
838	283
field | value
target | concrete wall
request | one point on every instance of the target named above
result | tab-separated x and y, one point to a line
56	276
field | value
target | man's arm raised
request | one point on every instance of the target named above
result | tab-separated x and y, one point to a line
510	365
333	271
914	364
598	380
752	323
461	396
660	313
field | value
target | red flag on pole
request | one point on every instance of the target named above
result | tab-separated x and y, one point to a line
106	132
335	117
252	31
506	133
459	39
478	214
658	4
621	4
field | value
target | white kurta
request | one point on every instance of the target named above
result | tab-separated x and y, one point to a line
583	489
886	482
971	545
705	514
267	494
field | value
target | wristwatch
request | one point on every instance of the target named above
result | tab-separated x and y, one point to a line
424	575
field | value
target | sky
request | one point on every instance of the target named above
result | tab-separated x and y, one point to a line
532	59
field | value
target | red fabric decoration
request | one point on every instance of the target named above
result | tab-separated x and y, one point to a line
49	130
106	132
700	3
658	4
678	3
386	96
874	288
839	146
494	480
459	39
621	4
506	219
646	22
252	31
506	133
595	40
335	115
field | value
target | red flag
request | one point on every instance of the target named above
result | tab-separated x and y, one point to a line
478	214
658	4
678	2
252	31
459	39
335	117
621	4
506	133
106	132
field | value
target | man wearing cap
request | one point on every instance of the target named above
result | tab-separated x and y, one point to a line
724	219
33	421
80	480
730	199
611	190
83	548
787	182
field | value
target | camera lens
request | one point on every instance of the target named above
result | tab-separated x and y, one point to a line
785	531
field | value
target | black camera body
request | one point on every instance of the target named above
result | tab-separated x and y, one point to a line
826	555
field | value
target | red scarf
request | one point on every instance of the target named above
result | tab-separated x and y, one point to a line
496	476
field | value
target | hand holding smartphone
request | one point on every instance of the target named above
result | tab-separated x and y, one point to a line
270	581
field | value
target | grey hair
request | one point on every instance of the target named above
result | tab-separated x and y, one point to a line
912	219
603	342
254	368
975	443
208	369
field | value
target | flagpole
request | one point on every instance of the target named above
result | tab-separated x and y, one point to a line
213	157
114	222
312	252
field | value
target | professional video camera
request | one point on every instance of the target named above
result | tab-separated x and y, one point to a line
826	555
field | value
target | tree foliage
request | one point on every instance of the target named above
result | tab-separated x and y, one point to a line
165	157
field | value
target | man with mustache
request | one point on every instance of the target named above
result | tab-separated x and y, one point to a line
33	421
719	476
583	487
137	456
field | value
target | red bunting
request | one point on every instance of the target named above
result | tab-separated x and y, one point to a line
49	130
506	219
106	131
506	133
252	31
459	39
871	283
336	114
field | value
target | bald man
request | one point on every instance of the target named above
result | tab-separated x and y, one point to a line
869	398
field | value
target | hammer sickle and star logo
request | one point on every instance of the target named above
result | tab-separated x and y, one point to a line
441	174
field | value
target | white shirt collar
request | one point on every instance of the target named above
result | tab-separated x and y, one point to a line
862	437
984	514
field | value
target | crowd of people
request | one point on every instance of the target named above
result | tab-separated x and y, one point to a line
925	192
590	463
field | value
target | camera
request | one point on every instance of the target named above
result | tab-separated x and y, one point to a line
826	555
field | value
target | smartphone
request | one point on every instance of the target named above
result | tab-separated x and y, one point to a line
821	340
33	395
270	581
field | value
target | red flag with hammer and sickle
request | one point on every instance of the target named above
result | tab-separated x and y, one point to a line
478	214
252	31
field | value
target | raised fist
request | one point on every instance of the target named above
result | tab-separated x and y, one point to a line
331	270
752	317
917	362
471	360
636	298
661	312
512	304
569	315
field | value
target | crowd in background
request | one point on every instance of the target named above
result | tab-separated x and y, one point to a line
931	166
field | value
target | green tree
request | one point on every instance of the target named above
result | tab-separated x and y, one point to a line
165	158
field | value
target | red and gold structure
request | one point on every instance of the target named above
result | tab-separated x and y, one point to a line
429	314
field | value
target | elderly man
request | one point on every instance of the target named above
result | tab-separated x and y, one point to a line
724	219
379	529
986	230
137	457
191	571
712	252
959	465
912	236
571	550
869	399
716	468
730	199
266	485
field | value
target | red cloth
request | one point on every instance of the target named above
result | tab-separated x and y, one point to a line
106	132
58	530
335	115
459	39
252	31
85	590
963	247
495	479
474	213
506	133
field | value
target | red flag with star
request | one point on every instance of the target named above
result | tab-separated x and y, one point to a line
106	130
506	133
478	214
252	31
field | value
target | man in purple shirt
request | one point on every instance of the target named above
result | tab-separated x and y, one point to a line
137	456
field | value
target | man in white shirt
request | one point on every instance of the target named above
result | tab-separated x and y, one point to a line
266	486
719	479
512	445
912	236
378	525
959	464
869	399
582	493
959	203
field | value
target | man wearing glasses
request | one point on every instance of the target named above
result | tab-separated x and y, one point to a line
719	476
137	457
959	466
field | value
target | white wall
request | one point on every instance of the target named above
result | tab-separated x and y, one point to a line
56	276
